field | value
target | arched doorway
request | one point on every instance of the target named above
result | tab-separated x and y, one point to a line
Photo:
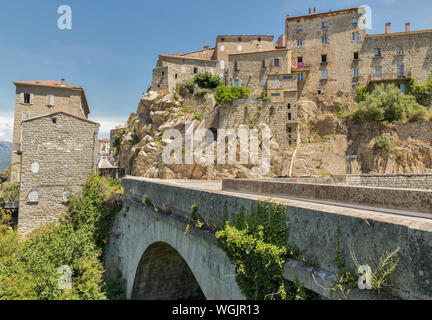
162	274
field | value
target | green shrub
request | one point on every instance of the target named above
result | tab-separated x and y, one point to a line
199	115
207	81
9	192
387	104
189	85
362	91
226	94
421	92
382	145
117	139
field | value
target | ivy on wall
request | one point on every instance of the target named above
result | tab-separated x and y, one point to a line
256	242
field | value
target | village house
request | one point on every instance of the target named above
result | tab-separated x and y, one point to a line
55	148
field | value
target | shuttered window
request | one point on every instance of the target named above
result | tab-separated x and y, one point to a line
50	100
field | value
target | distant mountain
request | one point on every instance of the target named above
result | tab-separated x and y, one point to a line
5	155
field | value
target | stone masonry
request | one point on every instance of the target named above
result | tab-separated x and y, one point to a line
59	152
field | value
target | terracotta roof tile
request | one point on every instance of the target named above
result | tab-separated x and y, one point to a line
49	83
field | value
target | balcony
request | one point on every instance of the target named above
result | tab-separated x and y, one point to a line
390	76
300	66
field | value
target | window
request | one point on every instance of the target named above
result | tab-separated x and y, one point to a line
353	86
222	64
323	58
239	39
27	98
300	76
263	63
289	106
354	21
222	39
377	52
289	116
222	48
264	81
289	130
33	196
35	167
176	76
195	70
50	98
237	83
259	39
402	88
299	43
66	195
324	74
356	55
183	61
378	72
183	69
319	92
276	62
400	70
324	25
275	83
356	73
355	36
163	73
239	48
54	120
25	115
299	28
236	66
399	50
324	40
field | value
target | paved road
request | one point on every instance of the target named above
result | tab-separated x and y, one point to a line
217	186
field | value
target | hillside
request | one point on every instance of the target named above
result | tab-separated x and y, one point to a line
5	155
326	136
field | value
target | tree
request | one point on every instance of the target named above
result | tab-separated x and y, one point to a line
388	104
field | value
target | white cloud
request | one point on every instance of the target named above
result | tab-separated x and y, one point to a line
6	126
108	123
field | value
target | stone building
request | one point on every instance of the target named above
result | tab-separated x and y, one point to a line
104	148
318	58
36	98
56	148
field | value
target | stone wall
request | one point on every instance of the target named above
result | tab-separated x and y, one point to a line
252	113
66	155
391	198
404	181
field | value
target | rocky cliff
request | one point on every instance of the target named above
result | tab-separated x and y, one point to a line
5	155
326	136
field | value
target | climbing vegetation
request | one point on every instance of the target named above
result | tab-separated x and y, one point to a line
256	242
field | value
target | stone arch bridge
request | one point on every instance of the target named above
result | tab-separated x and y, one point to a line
158	259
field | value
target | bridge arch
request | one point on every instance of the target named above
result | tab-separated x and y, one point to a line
150	244
162	274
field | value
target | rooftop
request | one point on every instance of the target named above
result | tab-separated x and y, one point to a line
60	112
323	14
56	84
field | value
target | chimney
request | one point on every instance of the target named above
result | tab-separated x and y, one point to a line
310	11
408	27
288	15
62	80
388	27
314	11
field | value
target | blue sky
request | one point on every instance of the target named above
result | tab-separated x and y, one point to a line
113	45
